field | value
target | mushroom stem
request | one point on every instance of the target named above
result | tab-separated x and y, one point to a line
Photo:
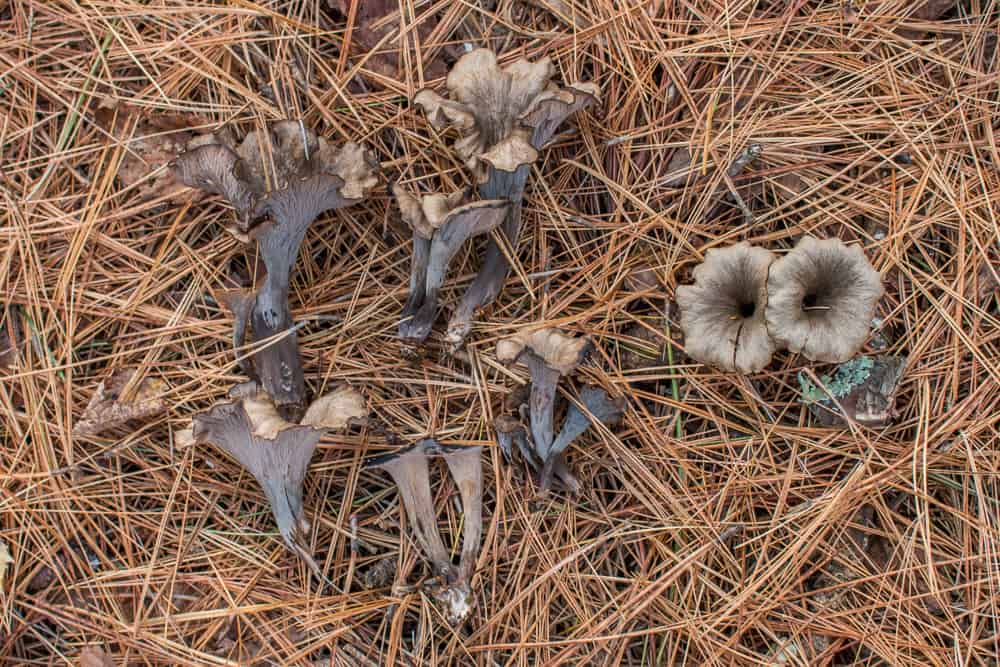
544	381
409	470
466	467
418	281
509	432
599	406
493	273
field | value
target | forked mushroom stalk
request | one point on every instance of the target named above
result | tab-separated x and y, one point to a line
410	471
548	355
505	116
291	178
440	226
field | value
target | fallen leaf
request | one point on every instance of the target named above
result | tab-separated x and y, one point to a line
150	143
365	36
107	409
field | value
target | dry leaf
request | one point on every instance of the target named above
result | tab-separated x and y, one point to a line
365	36
107	409
150	143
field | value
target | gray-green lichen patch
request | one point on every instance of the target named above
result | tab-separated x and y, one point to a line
847	376
865	387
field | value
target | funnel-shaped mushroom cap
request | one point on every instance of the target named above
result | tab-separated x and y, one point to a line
821	299
722	313
275	452
503	114
557	350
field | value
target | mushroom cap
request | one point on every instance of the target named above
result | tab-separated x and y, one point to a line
429	213
504	114
336	409
821	299
556	349
722	313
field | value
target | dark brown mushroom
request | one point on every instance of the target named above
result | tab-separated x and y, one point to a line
440	226
289	177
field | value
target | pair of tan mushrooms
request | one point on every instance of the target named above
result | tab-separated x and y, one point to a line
745	304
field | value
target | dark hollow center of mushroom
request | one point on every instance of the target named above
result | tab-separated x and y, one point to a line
747	309
815	303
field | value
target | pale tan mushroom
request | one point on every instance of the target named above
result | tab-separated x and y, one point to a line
821	299
722	313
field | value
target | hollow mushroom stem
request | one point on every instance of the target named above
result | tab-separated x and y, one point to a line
599	406
441	225
544	384
410	471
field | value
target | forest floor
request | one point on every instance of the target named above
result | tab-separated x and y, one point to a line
722	521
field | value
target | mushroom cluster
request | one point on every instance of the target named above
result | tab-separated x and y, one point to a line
410	470
744	305
504	116
550	354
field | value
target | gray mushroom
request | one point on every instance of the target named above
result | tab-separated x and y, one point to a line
599	406
441	224
288	177
410	470
274	451
549	354
821	299
722	313
504	116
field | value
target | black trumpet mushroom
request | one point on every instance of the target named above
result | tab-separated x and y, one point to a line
441	224
504	117
410	470
275	451
279	182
